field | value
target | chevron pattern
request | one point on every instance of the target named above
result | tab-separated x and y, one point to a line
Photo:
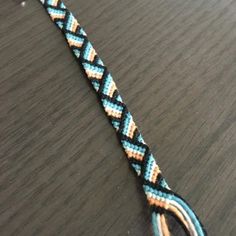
162	200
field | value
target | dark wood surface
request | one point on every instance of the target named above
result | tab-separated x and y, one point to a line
62	170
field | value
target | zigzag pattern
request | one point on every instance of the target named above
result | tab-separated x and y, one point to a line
161	199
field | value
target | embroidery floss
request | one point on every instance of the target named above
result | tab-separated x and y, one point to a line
161	198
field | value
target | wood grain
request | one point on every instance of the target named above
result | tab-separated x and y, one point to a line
62	170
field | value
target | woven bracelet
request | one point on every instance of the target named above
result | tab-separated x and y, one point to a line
161	199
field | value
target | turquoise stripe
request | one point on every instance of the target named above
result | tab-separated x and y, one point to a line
60	24
137	168
150	163
62	5
107	84
100	62
50	2
73	37
54	11
81	31
119	98
93	68
154	224
133	147
112	106
87	50
69	21
164	184
140	138
115	124
96	85
127	122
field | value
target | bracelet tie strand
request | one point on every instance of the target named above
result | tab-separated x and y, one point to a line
160	197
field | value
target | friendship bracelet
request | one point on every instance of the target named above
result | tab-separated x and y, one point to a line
161	199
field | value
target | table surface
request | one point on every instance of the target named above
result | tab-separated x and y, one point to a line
62	169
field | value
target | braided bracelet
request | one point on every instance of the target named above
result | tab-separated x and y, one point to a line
160	197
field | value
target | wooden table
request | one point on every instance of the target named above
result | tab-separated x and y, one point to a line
62	170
